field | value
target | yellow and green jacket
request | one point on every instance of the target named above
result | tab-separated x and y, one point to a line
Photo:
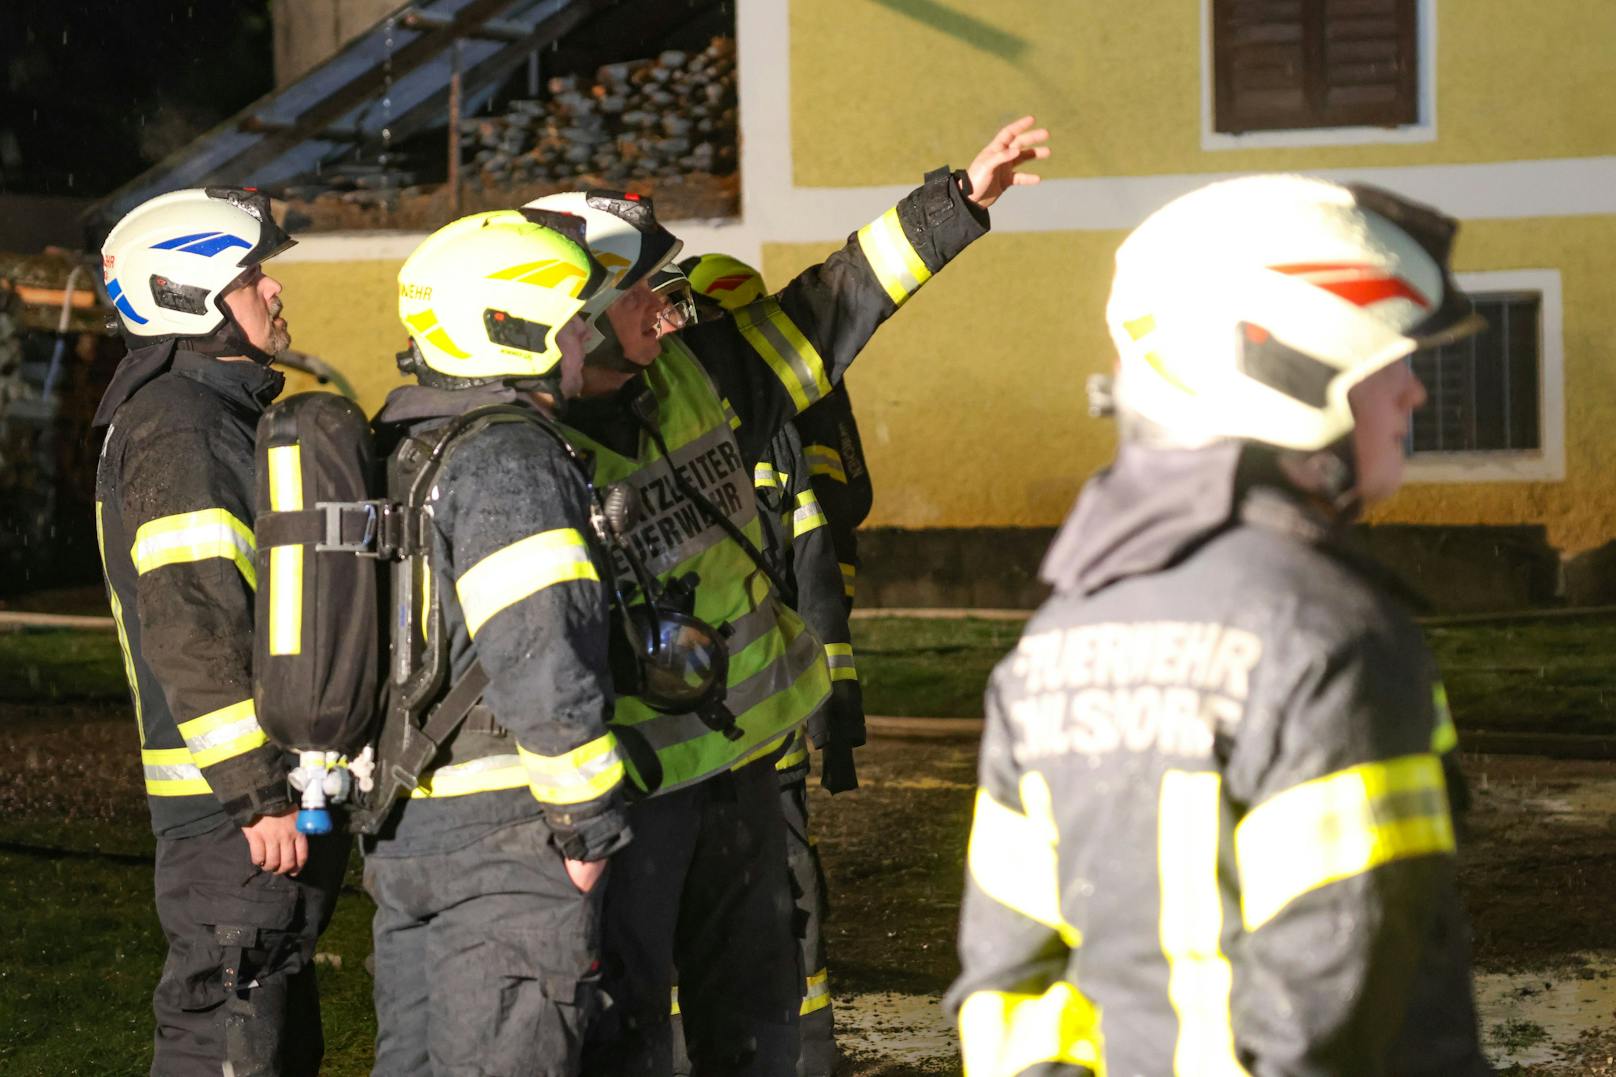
1213	830
718	393
174	517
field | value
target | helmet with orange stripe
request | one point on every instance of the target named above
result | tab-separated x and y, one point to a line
1250	308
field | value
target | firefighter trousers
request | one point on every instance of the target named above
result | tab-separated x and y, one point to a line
818	1032
238	992
703	889
487	959
818	1057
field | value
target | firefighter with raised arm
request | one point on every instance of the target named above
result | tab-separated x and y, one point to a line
680	421
799	549
837	468
1214	830
487	876
241	895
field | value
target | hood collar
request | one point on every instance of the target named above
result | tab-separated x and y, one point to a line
247	383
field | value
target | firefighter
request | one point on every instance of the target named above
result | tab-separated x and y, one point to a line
241	895
704	888
1213	832
799	548
487	877
830	435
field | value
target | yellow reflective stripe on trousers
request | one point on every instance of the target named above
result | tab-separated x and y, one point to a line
487	774
789	354
588	771
1006	1033
733	419
815	992
826	461
1339	826
1199	977
286	562
1445	737
171	773
849	577
1012	858
893	258
195	536
117	620
523	568
839	657
223	734
765	477
807	516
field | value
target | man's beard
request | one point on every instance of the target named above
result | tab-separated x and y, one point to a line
280	337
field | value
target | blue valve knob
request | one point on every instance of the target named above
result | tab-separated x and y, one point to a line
314	821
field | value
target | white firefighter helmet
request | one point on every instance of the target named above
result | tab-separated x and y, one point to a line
1247	309
169	260
623	235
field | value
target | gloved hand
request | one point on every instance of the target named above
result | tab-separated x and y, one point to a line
837	772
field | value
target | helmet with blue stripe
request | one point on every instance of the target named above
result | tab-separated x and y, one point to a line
169	261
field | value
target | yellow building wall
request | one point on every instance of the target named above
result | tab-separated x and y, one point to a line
347	314
972	408
882	90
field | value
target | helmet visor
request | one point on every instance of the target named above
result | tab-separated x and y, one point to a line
1455	317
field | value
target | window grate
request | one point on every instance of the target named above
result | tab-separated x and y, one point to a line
1484	392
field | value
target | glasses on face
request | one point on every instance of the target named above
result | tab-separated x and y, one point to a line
678	310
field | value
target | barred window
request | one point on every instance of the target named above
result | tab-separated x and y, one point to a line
1485	392
1292	64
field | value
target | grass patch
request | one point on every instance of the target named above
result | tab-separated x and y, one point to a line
914	667
83	950
1543	676
61	664
1551	676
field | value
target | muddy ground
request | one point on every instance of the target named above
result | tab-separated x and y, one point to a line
1539	872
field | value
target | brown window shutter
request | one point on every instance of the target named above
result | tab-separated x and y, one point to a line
1282	64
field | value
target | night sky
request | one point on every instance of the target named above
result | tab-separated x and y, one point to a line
96	91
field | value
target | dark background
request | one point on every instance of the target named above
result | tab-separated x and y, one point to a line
97	91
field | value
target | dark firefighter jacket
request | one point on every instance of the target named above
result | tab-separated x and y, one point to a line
174	518
1212	833
771	359
799	548
840	475
513	562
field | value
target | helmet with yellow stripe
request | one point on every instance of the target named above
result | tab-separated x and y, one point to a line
727	281
484	297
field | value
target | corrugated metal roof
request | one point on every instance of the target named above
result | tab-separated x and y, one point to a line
393	78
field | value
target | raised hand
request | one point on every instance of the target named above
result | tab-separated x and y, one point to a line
994	170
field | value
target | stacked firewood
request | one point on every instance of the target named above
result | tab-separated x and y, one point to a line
671	115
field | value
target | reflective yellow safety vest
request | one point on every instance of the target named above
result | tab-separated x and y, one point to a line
777	671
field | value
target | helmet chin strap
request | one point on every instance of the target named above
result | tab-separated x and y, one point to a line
608	354
1329	475
229	339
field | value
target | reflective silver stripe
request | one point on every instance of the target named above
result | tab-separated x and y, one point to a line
839	657
485	774
173	772
751	627
796	363
221	735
